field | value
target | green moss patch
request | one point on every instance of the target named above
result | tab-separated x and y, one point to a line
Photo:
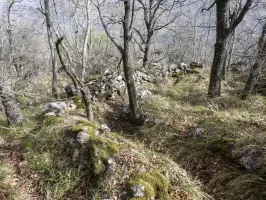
100	149
155	185
79	102
84	125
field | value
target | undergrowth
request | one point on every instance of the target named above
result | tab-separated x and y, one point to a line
178	110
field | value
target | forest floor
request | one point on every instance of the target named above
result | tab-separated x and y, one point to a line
184	128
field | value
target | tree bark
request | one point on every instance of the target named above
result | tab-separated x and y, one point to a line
52	47
131	89
12	110
224	29
257	67
84	53
147	49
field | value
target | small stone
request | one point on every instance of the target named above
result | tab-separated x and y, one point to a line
72	107
198	132
138	190
83	137
30	103
75	155
50	114
55	107
125	109
144	94
105	128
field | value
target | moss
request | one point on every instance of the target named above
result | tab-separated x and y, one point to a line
63	96
81	125
52	120
177	74
94	77
155	185
102	150
79	102
194	71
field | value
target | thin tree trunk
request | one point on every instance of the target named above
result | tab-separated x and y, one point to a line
252	79
52	48
85	92
257	67
131	89
147	49
84	53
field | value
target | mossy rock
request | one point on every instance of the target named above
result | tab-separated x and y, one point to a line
177	74
86	125
194	71
79	102
100	149
52	120
155	185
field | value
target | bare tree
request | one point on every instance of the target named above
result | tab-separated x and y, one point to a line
85	45
125	52
226	25
85	92
153	13
47	15
257	66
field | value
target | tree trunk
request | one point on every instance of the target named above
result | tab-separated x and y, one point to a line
131	89
88	102
252	79
224	28
84	53
52	47
12	110
217	69
147	49
257	67
222	17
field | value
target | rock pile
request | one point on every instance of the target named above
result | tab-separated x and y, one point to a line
111	84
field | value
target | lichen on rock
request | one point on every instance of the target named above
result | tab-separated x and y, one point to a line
155	186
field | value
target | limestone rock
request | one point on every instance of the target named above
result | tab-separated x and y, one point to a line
105	128
83	137
55	107
144	94
138	190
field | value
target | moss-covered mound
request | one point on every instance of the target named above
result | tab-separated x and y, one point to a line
155	186
101	149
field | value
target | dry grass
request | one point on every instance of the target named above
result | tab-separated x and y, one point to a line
178	110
